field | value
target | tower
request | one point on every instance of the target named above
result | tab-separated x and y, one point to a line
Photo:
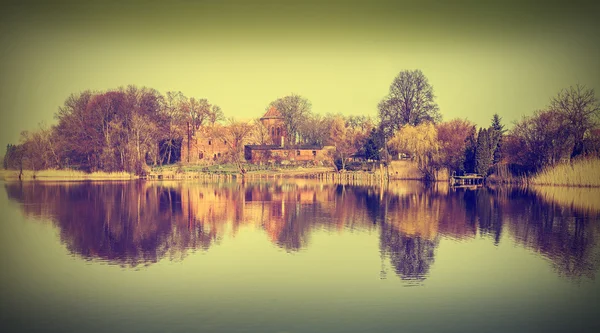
274	123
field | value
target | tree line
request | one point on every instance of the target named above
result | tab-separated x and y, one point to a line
410	123
118	130
129	129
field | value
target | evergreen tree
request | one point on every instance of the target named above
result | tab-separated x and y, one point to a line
373	146
498	135
13	158
483	153
496	124
471	146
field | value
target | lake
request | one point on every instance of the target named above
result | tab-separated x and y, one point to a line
297	256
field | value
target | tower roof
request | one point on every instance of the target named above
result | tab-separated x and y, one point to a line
272	113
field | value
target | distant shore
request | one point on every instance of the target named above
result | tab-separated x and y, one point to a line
214	174
167	174
579	173
64	175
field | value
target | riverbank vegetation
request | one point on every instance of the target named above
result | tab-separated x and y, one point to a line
136	130
580	172
65	174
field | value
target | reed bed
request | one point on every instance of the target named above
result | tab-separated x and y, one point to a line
60	175
583	172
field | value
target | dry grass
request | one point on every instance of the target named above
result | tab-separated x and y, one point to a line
55	175
584	172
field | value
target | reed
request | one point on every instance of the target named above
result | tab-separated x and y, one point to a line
57	175
582	172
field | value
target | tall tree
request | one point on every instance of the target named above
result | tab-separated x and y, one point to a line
470	150
539	140
79	139
172	126
360	123
483	153
314	130
13	159
410	101
341	138
294	109
216	114
581	110
373	145
198	111
498	129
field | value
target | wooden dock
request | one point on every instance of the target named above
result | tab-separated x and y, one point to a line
468	179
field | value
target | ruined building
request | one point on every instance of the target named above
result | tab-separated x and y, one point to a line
282	148
203	148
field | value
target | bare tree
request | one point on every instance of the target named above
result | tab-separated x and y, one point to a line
216	114
294	109
581	110
198	112
48	137
342	140
172	124
314	130
410	101
540	140
235	134
260	133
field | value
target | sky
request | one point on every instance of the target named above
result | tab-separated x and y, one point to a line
505	57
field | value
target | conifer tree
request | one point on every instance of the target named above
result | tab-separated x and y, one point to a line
471	147
499	131
483	154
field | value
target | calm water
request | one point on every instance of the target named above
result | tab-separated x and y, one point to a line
297	256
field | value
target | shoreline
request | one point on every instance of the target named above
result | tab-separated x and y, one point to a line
317	173
64	175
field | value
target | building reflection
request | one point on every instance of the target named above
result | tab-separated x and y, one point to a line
140	223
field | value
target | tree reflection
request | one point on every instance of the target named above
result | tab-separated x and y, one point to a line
411	256
409	230
122	223
567	237
134	223
483	210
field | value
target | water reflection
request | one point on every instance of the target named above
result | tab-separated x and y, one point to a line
567	235
137	223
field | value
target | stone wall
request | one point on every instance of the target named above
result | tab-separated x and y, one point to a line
261	155
204	149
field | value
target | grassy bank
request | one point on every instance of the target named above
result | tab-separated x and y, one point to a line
399	170
228	172
584	172
60	175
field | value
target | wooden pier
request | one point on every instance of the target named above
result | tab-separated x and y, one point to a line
468	179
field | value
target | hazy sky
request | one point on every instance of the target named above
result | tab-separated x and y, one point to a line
508	58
